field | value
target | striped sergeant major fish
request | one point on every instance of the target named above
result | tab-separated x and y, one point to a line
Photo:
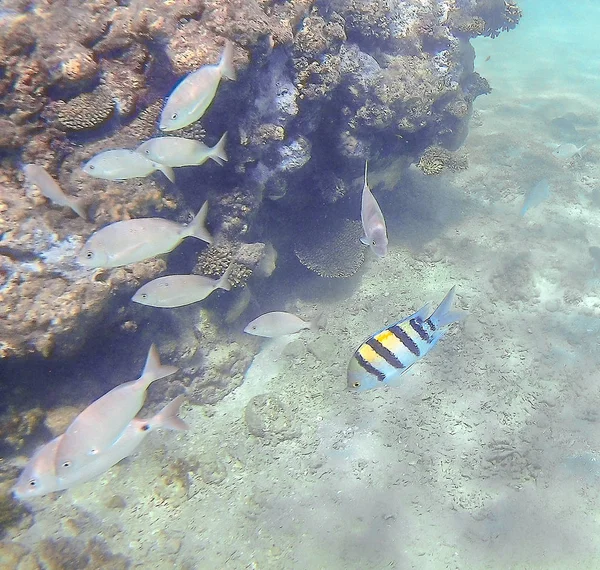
385	356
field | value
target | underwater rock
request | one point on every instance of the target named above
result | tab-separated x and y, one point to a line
267	418
331	248
246	257
223	365
17	426
62	553
12	514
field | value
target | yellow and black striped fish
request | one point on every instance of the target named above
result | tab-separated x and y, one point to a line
388	354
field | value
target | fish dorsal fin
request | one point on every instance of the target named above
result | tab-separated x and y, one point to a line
421	314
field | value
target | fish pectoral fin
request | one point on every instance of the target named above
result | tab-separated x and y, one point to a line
365	240
397	378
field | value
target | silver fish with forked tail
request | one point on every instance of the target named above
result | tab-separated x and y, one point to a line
373	222
40	478
130	241
385	356
194	94
96	428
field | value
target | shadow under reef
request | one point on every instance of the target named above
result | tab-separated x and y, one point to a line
32	386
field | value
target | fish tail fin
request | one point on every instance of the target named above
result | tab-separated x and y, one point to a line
224	282
197	226
154	370
444	315
218	152
168	417
318	322
226	63
167	171
80	207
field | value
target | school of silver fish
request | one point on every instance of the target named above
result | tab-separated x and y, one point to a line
107	430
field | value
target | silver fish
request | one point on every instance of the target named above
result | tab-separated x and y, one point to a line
40	478
277	323
566	151
96	428
130	241
535	196
179	290
195	92
177	151
123	164
37	176
373	222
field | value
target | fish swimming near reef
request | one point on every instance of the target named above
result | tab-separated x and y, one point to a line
373	222
95	429
535	196
385	356
129	241
566	151
40	477
123	164
177	151
194	94
279	323
594	251
36	175
179	290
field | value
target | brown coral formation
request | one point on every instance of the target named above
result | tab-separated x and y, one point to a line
331	249
86	111
17	426
245	257
436	159
60	554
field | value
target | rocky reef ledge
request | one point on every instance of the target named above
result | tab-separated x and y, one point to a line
321	87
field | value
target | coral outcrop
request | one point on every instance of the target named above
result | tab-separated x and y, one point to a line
321	88
332	249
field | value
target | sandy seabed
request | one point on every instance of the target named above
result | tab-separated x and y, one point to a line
485	458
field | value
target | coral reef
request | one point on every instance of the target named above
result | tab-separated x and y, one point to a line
246	258
17	426
320	89
86	111
332	248
435	160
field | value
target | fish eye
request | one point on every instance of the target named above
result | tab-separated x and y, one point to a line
147	151
144	296
89	254
356	384
32	482
174	116
145	427
66	464
91	167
